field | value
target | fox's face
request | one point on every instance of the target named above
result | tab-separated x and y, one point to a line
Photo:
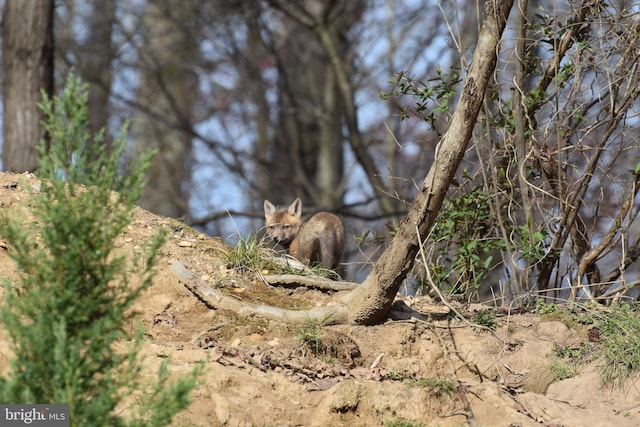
283	224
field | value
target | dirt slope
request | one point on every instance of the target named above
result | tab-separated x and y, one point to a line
260	373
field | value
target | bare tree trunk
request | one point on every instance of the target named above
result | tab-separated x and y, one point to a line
27	64
372	300
326	20
168	86
313	112
329	40
96	59
310	136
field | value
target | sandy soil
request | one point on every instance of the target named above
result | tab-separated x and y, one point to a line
260	373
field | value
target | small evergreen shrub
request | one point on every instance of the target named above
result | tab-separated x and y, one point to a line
73	299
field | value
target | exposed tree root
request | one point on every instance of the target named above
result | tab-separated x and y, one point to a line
339	313
336	314
310	282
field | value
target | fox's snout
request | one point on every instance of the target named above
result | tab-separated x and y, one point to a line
278	236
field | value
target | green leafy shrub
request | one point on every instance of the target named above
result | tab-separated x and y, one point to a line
74	296
464	234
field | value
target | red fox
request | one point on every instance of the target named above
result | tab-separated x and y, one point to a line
320	240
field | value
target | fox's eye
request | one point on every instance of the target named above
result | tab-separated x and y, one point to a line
269	227
286	227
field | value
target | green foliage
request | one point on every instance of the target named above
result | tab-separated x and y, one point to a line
465	229
569	359
310	335
542	308
562	370
465	239
430	99
74	296
485	318
249	255
532	243
370	237
571	317
394	375
620	333
438	386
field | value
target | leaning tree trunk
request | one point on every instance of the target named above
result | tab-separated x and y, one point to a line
372	300
27	65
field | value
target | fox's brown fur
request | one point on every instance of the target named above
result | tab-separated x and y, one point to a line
319	240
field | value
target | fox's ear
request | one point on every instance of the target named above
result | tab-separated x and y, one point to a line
295	209
269	209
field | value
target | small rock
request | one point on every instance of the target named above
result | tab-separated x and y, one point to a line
345	397
274	342
257	337
185	244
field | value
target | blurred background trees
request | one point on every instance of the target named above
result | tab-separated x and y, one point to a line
342	103
27	68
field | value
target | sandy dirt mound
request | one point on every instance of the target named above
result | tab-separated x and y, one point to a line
261	373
